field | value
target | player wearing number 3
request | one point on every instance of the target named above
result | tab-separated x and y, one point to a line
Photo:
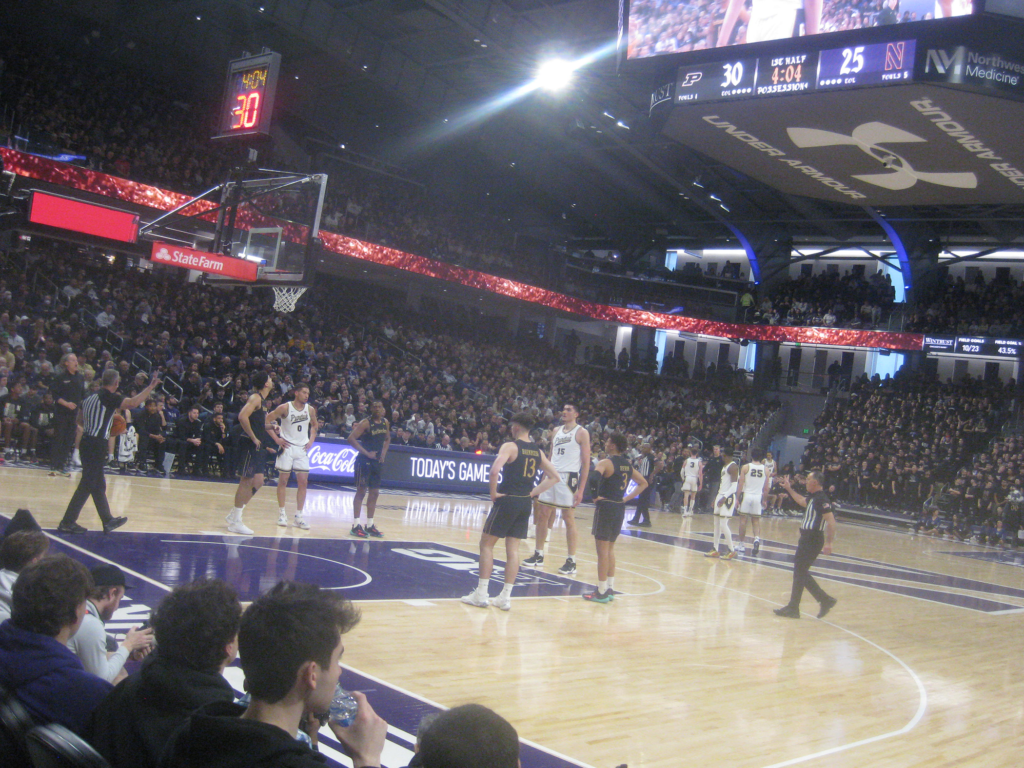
298	432
517	463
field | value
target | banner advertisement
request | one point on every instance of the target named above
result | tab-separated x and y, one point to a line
201	261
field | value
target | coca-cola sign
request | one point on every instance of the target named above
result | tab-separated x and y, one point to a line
333	461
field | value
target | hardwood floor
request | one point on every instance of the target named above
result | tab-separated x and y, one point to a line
921	663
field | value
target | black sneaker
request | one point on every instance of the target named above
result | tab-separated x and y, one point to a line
757	547
114	523
827	605
371	530
357	531
71	528
534	560
644	524
599	597
569	568
788	612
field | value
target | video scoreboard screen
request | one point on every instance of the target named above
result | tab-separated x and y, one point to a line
666	27
774	75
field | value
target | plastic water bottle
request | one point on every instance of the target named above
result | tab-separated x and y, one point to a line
344	707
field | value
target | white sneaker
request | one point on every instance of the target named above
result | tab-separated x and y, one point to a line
282	519
501	602
300	522
740	548
235	525
474	599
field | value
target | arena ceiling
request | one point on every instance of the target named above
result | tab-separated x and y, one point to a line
415	83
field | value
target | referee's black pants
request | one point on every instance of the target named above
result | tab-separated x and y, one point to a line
64	423
643	505
93	451
807	551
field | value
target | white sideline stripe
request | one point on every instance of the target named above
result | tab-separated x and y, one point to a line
102	559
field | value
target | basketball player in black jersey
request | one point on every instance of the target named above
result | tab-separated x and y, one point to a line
256	448
512	502
372	438
614	472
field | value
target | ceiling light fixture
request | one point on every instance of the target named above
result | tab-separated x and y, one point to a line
555	74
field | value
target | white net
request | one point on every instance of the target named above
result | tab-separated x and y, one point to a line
285	297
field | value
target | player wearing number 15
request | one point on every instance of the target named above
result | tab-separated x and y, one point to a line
517	463
298	432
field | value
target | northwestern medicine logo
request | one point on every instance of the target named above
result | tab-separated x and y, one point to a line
977	66
868	137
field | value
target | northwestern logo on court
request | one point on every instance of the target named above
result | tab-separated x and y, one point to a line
869	138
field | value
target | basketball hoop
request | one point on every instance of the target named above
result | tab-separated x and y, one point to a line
285	296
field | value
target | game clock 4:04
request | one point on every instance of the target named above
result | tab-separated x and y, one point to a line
249	96
786	74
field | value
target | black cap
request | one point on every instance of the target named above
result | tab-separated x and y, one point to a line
108	576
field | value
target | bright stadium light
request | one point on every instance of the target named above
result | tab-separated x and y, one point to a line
555	74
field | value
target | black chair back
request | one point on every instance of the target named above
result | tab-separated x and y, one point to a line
15	723
54	746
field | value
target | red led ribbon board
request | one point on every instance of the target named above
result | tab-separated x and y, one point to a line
63	213
160	199
189	258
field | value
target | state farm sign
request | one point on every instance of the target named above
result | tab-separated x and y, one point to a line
201	261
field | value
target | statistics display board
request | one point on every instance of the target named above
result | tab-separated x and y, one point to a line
979	346
850	66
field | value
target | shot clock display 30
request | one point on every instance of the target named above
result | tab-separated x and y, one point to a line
249	96
876	64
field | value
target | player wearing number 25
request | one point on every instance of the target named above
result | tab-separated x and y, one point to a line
517	463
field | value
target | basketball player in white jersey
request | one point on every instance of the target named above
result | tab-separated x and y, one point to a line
692	475
725	504
772	20
570	455
754	489
298	432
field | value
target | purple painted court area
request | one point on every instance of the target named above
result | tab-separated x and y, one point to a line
365	570
872	574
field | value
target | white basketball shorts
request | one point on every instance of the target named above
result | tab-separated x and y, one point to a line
561	493
726	508
689	483
751	505
293	459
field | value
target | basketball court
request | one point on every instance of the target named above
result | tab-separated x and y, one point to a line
919	663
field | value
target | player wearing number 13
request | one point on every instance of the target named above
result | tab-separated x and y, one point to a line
517	463
298	432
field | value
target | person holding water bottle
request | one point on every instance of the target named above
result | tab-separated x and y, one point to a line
290	647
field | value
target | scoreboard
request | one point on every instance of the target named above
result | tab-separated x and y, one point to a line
801	72
249	96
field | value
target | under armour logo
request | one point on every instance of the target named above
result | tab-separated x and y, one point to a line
868	137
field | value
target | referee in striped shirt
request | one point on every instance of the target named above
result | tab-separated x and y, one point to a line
94	416
813	541
645	466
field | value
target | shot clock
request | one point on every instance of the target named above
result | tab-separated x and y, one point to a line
249	96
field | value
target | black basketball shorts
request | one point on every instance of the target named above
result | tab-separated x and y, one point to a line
510	516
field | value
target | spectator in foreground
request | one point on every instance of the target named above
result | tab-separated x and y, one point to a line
196	629
36	665
470	736
90	642
290	645
18	550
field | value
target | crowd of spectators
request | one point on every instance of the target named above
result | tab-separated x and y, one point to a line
126	124
171	705
920	447
828	299
971	307
447	377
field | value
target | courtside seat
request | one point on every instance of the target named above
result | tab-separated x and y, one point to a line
15	723
54	746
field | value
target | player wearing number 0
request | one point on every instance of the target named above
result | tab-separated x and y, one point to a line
725	504
615	472
298	432
754	486
517	462
372	438
570	453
